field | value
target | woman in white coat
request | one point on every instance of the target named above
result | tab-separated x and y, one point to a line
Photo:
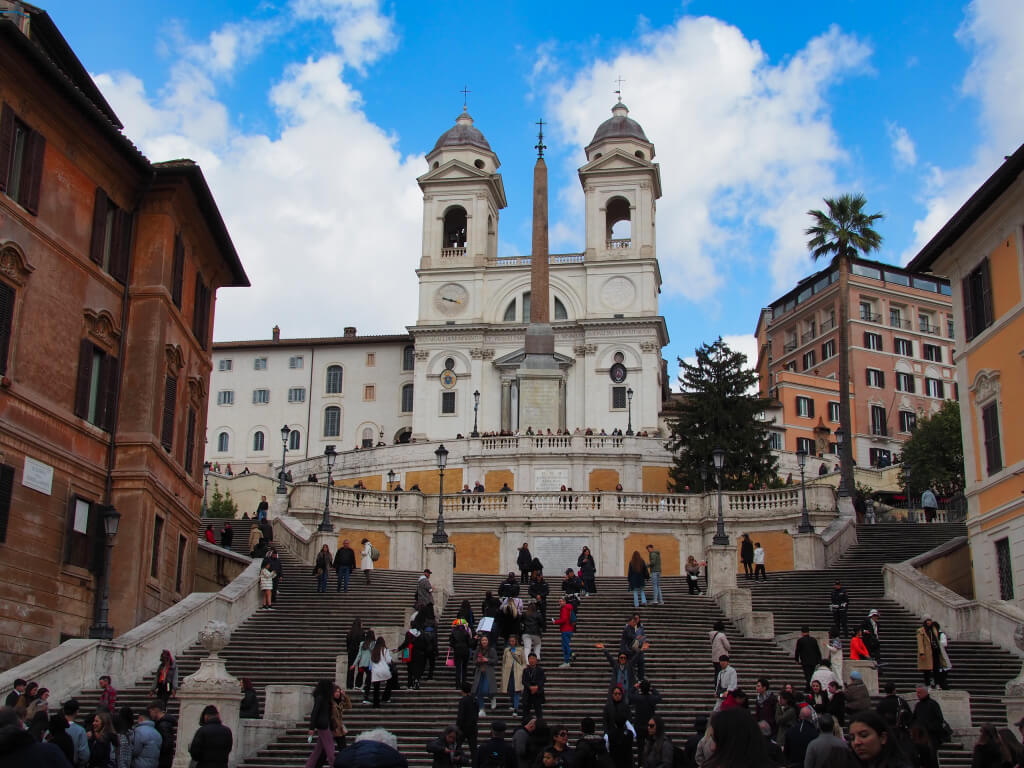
380	672
366	562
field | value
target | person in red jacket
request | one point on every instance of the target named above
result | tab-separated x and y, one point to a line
858	650
566	623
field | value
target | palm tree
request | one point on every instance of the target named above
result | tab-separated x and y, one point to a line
841	233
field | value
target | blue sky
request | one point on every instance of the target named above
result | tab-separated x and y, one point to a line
311	117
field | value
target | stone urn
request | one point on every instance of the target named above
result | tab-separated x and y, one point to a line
212	674
214	636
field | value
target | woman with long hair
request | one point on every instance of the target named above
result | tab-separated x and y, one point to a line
485	678
102	738
989	751
638	576
693	575
249	709
459	642
41	703
588	571
30	694
320	725
363	663
874	743
339	703
380	672
738	741
353	640
166	677
929	651
618	728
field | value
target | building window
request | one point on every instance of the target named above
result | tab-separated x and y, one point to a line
6	491
873	341
510	312
369	392
926	322
407	398
1004	567
904	347
990	427
806	445
259	364
828	349
908	421
296	394
367	440
775	441
80	541
875	378
295	361
879	457
895	317
931	352
950	328
867	312
334	380
226	397
904	382
408	358
158	534
878	420
224	365
447	403
809	359
178	272
805	407
111	238
618	398
179	566
190	439
201	312
791	366
332	421
223	442
294	440
97	386
21	160
257	441
170	405
934	388
260	396
371	359
833	412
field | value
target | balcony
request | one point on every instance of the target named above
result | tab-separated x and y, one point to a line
827	325
929	328
868	317
789	346
619	244
452	253
807	336
905	325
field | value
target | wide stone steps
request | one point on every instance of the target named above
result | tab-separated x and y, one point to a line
240	532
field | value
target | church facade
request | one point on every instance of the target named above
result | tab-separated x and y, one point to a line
468	344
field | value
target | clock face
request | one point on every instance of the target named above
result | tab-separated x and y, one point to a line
451	299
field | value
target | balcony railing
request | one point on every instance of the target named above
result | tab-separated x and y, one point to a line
827	325
895	322
619	243
452	253
806	336
525	261
929	328
789	346
868	317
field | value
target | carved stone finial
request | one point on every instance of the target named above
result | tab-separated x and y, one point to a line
214	636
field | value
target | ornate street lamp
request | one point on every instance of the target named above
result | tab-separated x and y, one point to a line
102	630
805	521
440	537
391	479
840	447
718	456
206	483
285	431
331	455
629	405
476	407
381	436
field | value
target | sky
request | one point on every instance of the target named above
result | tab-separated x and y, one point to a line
311	119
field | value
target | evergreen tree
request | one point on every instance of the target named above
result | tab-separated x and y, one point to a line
716	410
934	455
221	504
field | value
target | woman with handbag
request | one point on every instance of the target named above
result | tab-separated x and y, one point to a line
321	567
381	672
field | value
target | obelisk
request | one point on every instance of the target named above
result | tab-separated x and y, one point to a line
541	389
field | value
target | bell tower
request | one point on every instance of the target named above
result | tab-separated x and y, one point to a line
621	183
462	195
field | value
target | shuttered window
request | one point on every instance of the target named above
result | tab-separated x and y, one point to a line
6	324
6	491
178	270
993	449
190	439
21	160
96	388
977	292
110	246
170	398
201	312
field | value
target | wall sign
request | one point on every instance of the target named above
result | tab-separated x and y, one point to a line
37	476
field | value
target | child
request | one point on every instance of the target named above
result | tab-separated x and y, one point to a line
267	585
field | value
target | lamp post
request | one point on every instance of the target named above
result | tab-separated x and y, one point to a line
391	479
718	456
381	440
629	405
703	479
285	431
102	630
840	438
331	455
440	537
206	483
805	521
476	407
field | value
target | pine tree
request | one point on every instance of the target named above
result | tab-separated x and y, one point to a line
716	410
933	457
221	504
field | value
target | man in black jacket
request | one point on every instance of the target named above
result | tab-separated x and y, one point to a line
212	743
928	716
344	563
524	561
467	718
166	726
840	605
495	751
533	689
807	654
509	587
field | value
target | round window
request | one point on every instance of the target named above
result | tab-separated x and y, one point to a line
618	357
449	363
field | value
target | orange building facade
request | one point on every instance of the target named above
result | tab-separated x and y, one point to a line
108	269
981	251
901	367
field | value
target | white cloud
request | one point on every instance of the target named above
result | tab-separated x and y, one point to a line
324	215
744	144
739	342
361	32
995	77
904	152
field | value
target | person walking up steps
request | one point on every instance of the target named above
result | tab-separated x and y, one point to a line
720	645
366	561
638	575
654	567
566	623
759	562
747	555
321	567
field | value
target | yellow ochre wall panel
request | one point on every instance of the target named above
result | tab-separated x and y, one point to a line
355	537
429	480
665	543
476	552
494	479
778	550
655	480
603	479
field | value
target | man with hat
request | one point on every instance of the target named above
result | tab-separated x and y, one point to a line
871	637
495	751
424	590
840	604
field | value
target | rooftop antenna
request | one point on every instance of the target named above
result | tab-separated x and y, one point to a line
618	90
465	96
540	146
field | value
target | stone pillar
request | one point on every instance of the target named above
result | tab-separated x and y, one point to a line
868	673
278	505
956	708
721	568
808	552
210	684
440	559
1014	698
506	405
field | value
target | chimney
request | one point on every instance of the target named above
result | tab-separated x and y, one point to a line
276	333
350	331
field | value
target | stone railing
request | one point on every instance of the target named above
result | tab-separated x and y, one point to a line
619	243
452	253
838	536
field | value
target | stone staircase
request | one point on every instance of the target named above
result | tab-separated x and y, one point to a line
240	529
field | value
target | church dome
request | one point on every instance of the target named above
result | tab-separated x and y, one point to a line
463	134
619	126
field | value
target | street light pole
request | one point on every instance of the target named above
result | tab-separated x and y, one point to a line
440	537
285	431
325	525
720	538
476	407
102	630
805	521
629	405
391	479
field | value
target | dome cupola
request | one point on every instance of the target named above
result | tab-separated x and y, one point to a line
463	134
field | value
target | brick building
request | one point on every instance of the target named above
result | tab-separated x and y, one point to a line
901	358
108	269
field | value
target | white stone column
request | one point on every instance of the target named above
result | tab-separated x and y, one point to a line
808	552
210	684
721	568
440	559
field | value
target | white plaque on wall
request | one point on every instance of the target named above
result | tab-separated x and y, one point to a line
550	479
37	476
556	553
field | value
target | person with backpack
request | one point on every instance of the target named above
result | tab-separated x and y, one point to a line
166	726
495	752
894	709
591	751
566	623
366	561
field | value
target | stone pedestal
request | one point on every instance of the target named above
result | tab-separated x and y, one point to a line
721	568
292	703
540	398
868	674
956	708
440	559
279	503
808	552
210	684
736	604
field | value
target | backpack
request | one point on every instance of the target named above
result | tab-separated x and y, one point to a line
374	553
572	616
